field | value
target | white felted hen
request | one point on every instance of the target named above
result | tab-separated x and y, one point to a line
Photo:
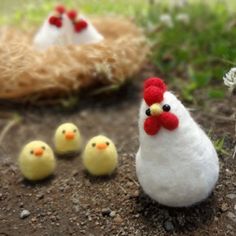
56	30
176	163
84	31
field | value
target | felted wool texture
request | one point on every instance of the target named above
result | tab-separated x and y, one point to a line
35	167
87	35
176	168
63	145
26	72
99	161
50	35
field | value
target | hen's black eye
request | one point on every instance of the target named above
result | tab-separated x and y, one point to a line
93	144
166	107
148	112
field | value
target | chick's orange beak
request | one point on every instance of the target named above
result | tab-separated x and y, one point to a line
38	152
69	135
101	146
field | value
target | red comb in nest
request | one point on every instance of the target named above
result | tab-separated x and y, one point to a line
72	14
60	9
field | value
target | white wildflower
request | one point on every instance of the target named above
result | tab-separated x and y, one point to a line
178	3
230	79
166	19
183	18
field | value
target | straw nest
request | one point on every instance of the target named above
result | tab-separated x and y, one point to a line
26	72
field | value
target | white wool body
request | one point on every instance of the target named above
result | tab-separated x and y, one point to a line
88	35
50	35
176	168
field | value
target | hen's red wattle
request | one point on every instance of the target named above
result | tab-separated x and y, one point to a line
81	25
168	120
151	126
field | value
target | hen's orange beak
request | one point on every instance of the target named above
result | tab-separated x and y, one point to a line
38	152
69	135
101	146
156	109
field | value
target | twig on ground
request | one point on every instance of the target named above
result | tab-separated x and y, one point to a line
16	119
234	154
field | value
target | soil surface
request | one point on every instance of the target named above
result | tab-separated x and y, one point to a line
74	203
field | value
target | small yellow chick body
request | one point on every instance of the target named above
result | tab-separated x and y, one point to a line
100	156
67	139
36	161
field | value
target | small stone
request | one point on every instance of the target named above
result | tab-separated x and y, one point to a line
106	211
230	227
232	216
118	219
231	196
224	207
24	214
134	194
168	226
40	196
75	172
112	214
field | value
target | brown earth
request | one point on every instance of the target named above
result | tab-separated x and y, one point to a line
74	203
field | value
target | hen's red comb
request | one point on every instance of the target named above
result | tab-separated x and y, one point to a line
154	89
154	81
60	9
153	95
72	14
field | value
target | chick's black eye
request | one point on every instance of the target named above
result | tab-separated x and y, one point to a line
93	144
43	147
166	107
74	130
63	131
148	112
31	152
107	143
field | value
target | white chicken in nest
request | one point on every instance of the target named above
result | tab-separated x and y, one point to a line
64	28
176	163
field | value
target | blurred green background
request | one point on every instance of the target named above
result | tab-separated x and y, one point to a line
193	42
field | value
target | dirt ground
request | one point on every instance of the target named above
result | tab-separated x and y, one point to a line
74	203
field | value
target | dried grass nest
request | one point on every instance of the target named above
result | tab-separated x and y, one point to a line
26	72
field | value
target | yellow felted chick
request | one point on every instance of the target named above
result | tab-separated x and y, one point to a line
67	139
100	156
36	160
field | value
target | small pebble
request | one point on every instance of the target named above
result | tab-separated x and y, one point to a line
106	211
24	214
112	214
232	216
168	226
40	196
224	207
231	196
118	219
